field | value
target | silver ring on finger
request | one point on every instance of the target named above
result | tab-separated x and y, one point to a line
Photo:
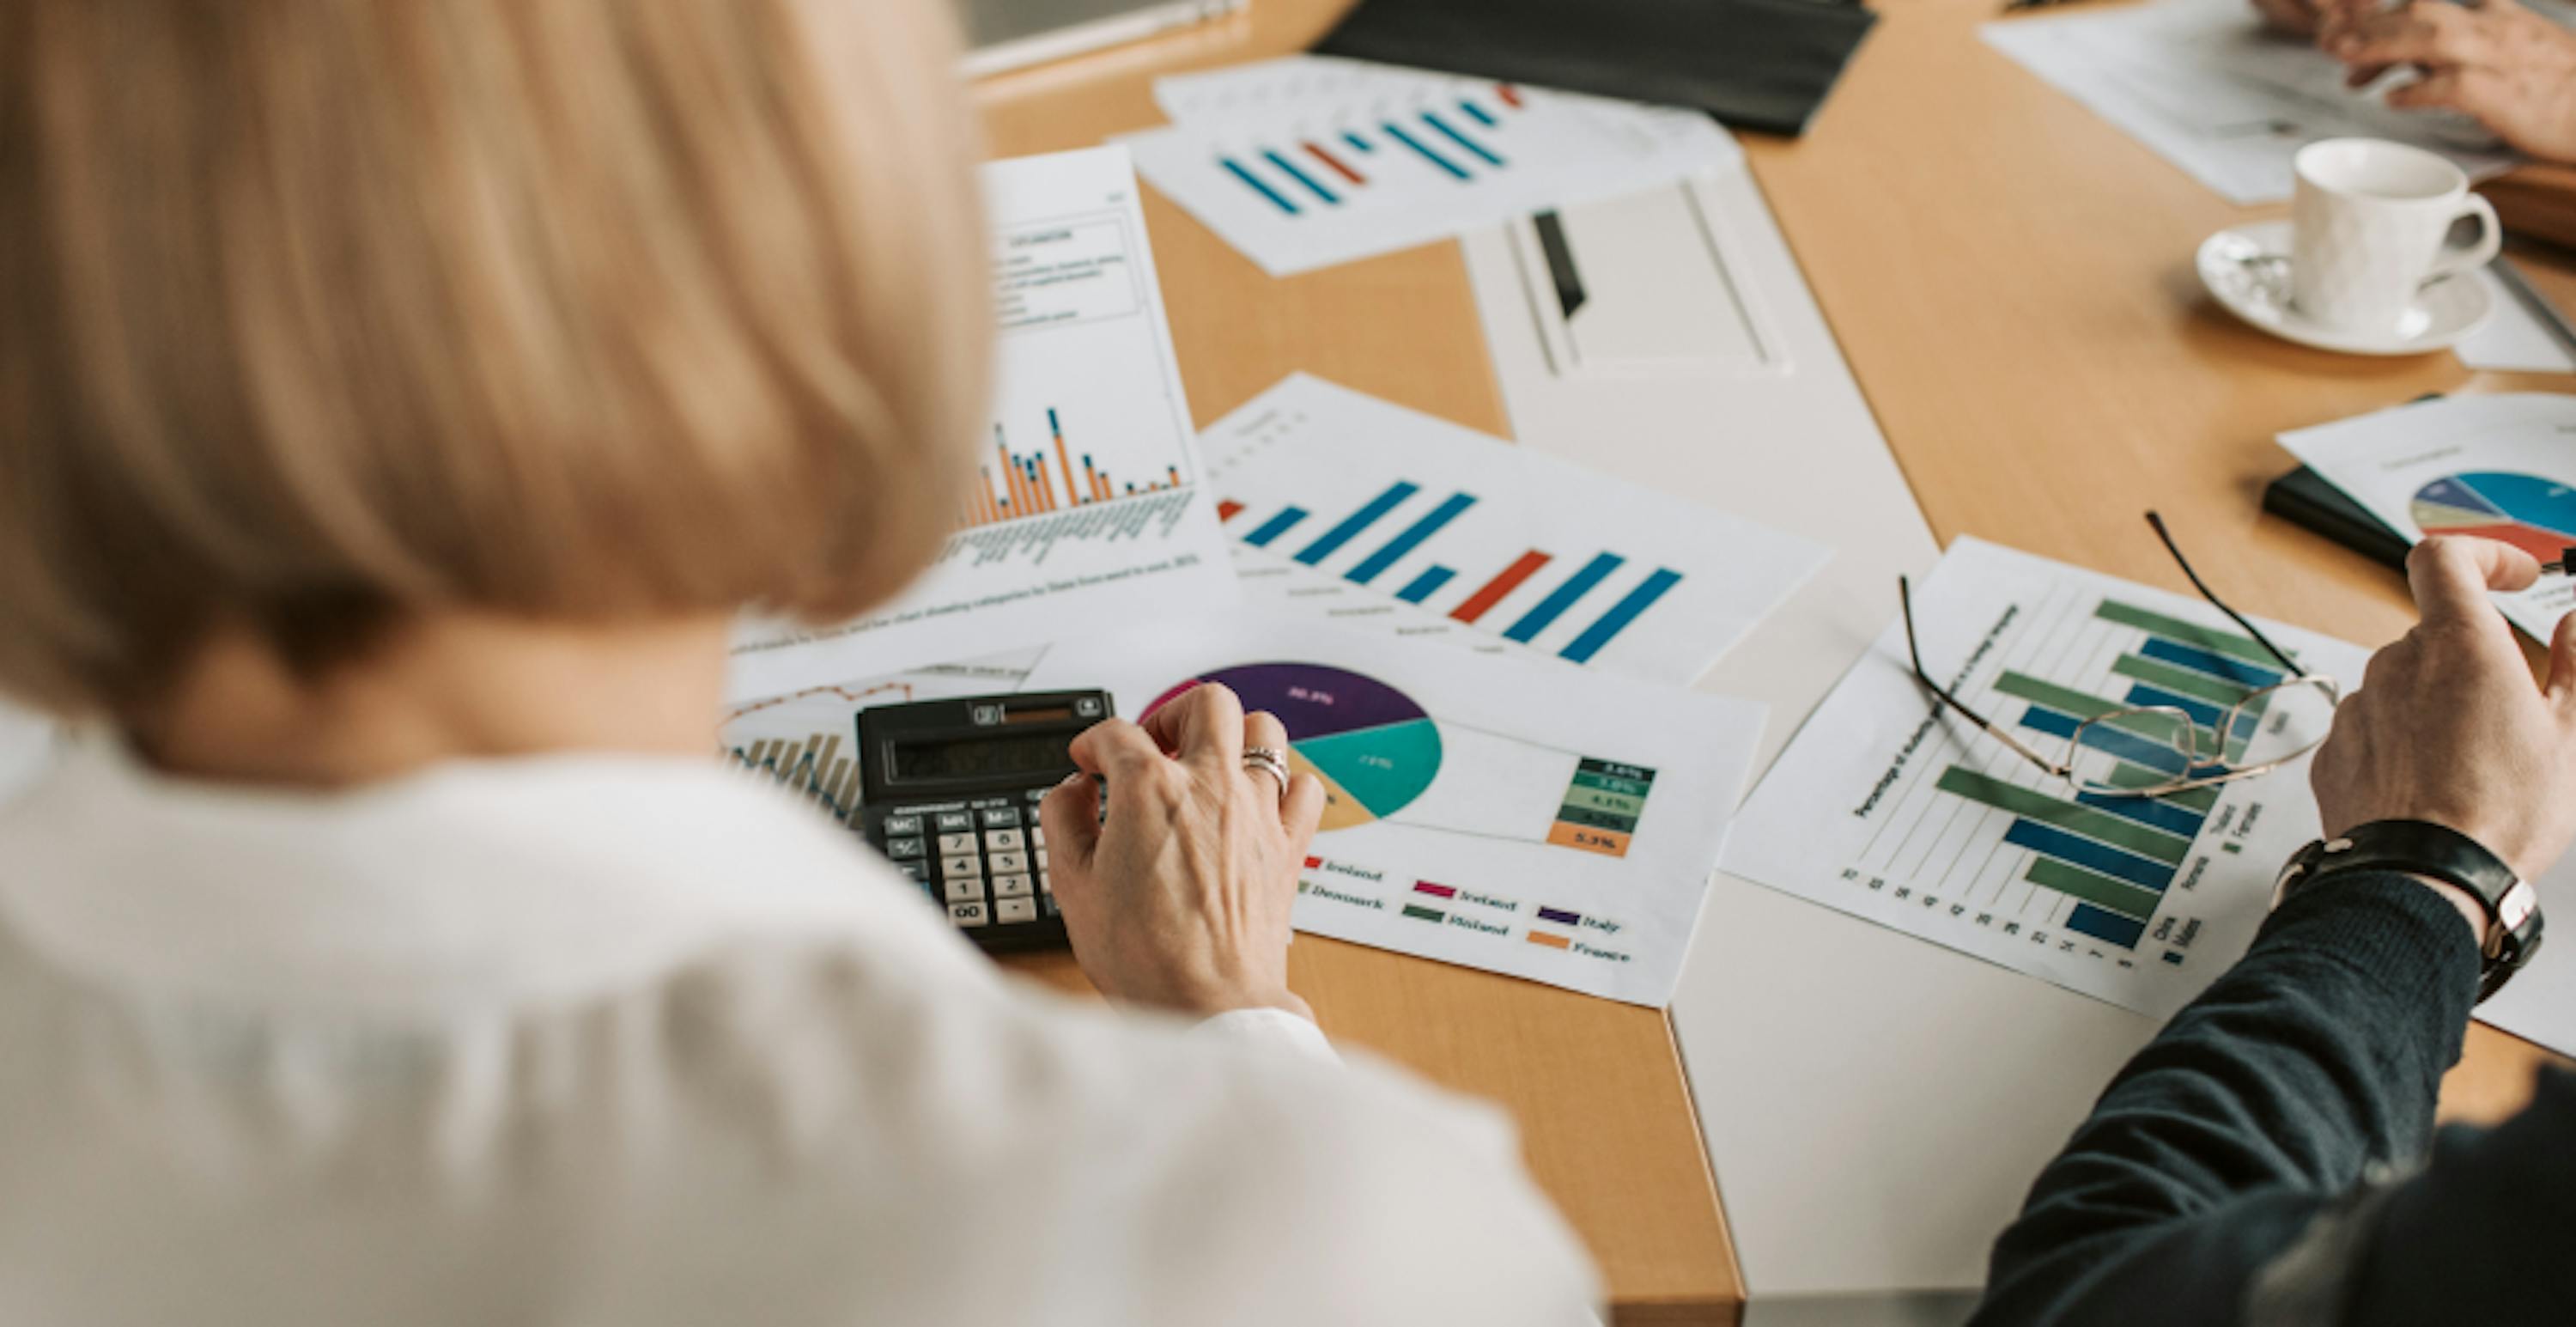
1271	761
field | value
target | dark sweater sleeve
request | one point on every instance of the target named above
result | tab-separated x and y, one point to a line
2315	1059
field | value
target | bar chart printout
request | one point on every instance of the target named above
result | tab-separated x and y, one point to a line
1088	501
1349	508
1309	161
1888	808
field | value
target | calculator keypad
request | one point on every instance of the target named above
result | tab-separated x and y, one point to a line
985	862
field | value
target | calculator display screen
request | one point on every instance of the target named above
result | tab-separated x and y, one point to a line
983	757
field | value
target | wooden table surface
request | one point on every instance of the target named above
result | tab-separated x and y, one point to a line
2011	280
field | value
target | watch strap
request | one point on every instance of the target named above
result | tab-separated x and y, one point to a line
2421	847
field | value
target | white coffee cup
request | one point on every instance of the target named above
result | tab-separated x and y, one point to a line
2370	225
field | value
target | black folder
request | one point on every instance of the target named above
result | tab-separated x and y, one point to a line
1764	65
2303	497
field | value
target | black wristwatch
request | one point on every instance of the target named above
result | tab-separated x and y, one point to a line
2418	847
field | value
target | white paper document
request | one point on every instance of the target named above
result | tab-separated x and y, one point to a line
1310	161
1089	506
2515	338
2498	467
1541	822
1888	807
2209	88
1360	512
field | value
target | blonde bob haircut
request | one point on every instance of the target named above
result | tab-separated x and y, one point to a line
319	314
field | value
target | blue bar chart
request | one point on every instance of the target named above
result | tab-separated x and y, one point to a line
1996	836
1408	534
1380	515
1296	174
2115	856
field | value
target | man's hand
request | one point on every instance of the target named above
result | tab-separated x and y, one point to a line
2447	726
2511	69
1180	899
2298	18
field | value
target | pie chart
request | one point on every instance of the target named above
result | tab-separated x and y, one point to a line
2533	514
1373	748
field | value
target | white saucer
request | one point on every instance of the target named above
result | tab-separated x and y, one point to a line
2247	268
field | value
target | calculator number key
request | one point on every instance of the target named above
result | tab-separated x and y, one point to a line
969	914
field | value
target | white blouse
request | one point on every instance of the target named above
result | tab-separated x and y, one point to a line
618	1041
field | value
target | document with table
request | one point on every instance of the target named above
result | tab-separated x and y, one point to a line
2207	86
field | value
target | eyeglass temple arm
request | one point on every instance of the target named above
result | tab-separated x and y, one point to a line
2221	605
1923	676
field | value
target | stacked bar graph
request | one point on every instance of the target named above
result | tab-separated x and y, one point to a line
2115	856
1046	479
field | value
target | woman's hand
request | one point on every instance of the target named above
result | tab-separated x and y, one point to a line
2511	69
1180	898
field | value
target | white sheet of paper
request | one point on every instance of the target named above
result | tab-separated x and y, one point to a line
1886	808
1311	161
2205	85
1545	822
2515	339
1365	513
2501	466
1104	518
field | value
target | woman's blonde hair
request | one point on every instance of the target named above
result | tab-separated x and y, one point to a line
315	314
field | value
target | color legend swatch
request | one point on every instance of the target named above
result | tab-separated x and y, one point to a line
1601	808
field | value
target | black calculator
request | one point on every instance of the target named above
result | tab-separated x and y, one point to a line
949	791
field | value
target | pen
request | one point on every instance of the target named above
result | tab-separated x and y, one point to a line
2566	558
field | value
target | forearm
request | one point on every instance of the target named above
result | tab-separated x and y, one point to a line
2319	1053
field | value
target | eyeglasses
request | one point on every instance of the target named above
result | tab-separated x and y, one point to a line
2207	711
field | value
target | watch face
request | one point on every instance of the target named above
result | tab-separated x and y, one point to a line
2517	905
